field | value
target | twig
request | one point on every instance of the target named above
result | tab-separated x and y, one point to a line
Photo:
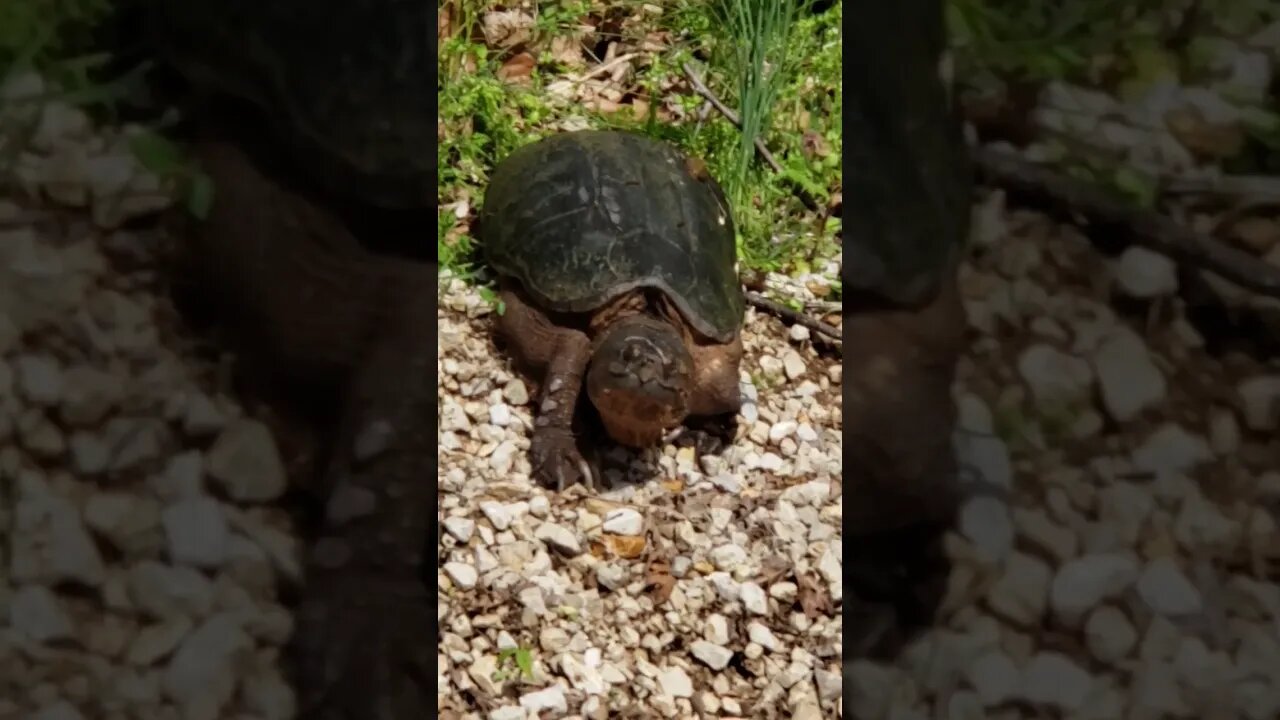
1146	228
701	88
824	306
604	67
794	316
1246	187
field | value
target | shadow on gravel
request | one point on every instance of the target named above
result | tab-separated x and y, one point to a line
894	583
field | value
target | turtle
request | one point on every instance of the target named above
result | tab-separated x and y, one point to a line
905	226
316	131
616	263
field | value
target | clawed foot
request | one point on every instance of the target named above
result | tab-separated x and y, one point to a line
708	435
364	650
556	462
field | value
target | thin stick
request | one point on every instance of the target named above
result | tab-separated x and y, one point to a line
701	88
1260	188
794	316
1147	228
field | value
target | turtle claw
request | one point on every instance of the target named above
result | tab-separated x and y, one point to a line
362	650
556	461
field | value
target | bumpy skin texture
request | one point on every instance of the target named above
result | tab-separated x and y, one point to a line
559	349
580	218
345	85
299	291
618	273
905	224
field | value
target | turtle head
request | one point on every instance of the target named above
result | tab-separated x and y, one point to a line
640	379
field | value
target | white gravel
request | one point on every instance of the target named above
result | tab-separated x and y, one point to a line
1127	567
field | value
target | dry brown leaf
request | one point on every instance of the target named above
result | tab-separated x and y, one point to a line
1256	234
814	599
659	581
517	69
444	23
567	51
672	485
505	29
814	145
629	547
1203	138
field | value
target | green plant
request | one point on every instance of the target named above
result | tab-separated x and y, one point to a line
521	657
164	158
38	33
755	51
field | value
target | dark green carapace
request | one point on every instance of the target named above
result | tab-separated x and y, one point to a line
579	218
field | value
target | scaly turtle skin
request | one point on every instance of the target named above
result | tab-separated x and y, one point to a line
617	257
338	114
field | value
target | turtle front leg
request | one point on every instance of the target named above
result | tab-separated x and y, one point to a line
553	453
563	354
362	646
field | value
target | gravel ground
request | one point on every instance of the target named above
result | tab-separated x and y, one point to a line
745	548
1122	564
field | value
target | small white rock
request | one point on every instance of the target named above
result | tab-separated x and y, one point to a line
793	364
39	379
463	575
1141	273
1129	380
623	521
37	613
1109	634
460	528
985	522
550	699
1260	398
675	682
246	462
1166	590
559	537
753	598
1055	680
1085	582
712	655
197	532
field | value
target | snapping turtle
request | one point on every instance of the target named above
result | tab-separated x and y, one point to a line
616	256
308	127
904	230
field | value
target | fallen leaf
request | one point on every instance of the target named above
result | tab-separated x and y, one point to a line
1203	138
517	69
507	28
658	581
629	547
813	596
813	144
672	485
567	51
444	23
1257	234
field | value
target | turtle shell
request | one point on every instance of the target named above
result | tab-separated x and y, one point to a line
579	218
343	85
907	190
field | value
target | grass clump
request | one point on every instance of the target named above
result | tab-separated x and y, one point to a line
495	97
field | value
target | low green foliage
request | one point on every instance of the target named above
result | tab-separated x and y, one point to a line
795	108
521	657
167	160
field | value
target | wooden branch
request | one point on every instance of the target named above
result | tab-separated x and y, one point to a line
1092	205
701	88
795	316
